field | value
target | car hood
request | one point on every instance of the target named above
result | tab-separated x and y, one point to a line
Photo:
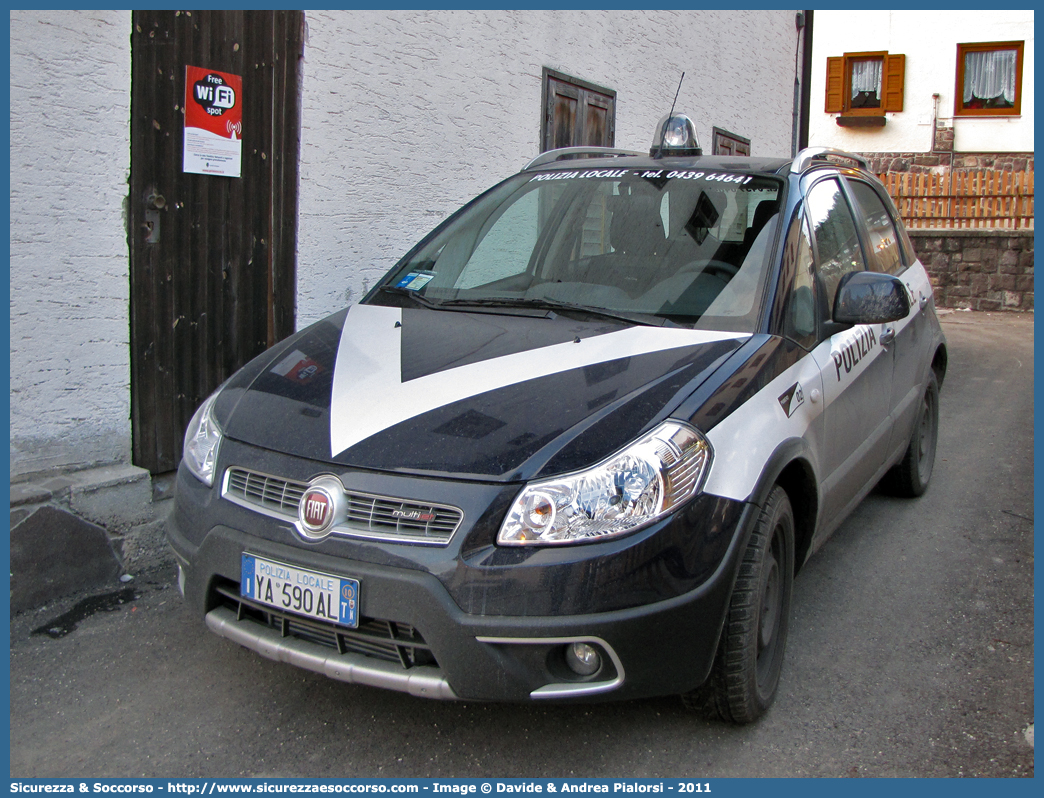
465	394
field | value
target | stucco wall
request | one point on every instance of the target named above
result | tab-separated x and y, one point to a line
70	156
406	115
929	41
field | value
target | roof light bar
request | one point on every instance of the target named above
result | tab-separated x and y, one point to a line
677	133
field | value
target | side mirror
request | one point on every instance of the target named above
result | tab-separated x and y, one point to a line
870	298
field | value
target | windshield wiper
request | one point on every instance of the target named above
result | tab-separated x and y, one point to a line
545	303
492	304
466	304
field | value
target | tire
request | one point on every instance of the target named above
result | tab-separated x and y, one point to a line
910	477
747	666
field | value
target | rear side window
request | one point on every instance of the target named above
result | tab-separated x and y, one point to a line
837	244
884	241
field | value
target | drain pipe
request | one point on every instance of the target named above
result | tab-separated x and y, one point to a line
935	121
935	130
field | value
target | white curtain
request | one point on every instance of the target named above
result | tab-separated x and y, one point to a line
866	76
989	74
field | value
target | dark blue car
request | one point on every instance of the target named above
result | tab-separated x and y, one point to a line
576	444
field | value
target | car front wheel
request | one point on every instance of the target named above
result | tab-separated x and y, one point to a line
745	675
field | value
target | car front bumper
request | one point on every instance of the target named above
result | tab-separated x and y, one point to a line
472	620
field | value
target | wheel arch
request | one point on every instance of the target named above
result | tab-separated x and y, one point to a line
790	466
939	361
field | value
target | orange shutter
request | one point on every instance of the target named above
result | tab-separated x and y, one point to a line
894	80
835	85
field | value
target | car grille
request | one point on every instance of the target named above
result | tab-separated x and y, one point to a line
369	516
384	640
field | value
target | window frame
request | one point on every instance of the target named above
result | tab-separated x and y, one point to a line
825	305
978	47
850	60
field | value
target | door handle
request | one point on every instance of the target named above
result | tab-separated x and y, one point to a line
154	203
887	336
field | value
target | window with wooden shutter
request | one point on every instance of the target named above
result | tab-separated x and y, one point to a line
576	113
863	87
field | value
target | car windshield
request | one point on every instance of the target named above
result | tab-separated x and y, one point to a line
687	247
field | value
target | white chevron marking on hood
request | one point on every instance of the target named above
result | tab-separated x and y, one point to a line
369	396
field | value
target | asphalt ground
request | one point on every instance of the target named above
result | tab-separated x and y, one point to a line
910	654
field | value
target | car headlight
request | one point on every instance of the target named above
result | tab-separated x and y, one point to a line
643	482
201	441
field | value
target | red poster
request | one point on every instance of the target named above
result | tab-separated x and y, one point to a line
213	122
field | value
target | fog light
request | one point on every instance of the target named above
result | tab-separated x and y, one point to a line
583	659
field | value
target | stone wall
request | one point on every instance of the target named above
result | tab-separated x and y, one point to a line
978	269
882	162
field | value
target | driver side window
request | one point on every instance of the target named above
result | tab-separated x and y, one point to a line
836	241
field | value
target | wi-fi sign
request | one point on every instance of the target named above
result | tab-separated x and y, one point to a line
235	129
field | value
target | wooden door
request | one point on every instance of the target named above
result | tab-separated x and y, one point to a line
212	272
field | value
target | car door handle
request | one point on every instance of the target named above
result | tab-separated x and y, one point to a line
887	336
923	301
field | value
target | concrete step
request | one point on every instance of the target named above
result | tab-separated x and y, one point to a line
82	530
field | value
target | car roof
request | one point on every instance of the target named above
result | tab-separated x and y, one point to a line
766	166
807	159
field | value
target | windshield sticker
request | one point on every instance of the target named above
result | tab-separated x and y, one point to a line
297	366
720	177
586	174
414	281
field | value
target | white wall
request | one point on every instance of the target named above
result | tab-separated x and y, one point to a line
70	157
929	41
406	115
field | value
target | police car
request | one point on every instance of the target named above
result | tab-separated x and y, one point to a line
576	444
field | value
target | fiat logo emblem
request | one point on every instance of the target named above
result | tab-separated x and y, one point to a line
322	505
315	508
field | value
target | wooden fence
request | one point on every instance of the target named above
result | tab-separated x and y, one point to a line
964	199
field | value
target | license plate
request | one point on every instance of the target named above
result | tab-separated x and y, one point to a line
309	593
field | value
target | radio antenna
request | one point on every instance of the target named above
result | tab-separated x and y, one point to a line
663	133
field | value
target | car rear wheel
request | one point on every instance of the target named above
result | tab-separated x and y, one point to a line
911	476
747	666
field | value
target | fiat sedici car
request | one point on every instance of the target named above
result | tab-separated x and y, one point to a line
576	444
